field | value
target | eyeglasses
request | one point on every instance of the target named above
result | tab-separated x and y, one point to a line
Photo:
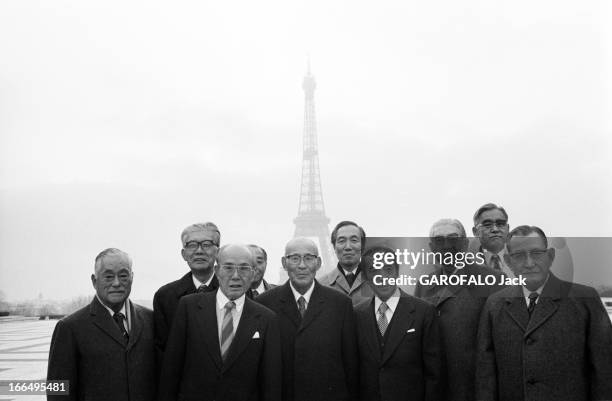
450	240
194	245
124	277
488	224
295	260
241	269
521	257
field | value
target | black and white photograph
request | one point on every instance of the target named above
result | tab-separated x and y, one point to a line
306	200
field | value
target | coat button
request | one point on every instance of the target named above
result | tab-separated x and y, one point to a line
531	381
529	341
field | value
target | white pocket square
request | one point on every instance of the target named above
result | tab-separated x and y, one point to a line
256	335
410	331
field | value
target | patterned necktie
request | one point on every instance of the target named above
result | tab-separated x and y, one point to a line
255	293
118	318
302	306
202	288
532	302
382	318
227	329
495	263
350	277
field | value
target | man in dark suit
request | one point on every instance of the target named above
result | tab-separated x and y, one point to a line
348	240
200	245
106	350
223	346
546	340
398	337
318	339
458	307
259	285
491	228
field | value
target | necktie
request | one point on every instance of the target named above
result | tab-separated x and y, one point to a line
118	318
202	288
350	277
495	263
302	306
382	318
227	329
532	302
255	293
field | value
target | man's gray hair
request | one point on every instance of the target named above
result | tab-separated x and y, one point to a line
109	252
452	222
208	226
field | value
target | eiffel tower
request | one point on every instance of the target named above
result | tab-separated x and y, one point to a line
311	220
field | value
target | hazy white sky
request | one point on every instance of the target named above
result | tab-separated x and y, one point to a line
123	122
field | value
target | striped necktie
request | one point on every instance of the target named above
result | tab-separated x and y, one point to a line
227	329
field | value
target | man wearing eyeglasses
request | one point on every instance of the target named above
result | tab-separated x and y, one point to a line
348	240
105	350
491	228
318	339
458	307
547	340
200	245
223	345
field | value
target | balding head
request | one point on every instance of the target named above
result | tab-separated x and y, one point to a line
445	227
302	243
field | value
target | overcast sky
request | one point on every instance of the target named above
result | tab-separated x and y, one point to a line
123	122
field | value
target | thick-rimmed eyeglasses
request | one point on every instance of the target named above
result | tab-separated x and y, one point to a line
295	259
489	224
241	269
521	257
194	245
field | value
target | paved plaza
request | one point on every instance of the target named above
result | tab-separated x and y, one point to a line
24	350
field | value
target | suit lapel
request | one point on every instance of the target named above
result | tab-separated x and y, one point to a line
517	309
243	335
135	326
546	306
315	306
208	326
289	306
371	329
340	280
105	322
403	319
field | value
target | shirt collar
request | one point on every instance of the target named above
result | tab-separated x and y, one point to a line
112	312
261	288
306	295
526	292
345	272
391	302
222	300
488	255
198	283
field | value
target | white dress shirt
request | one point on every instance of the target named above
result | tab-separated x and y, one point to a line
124	309
306	295
391	303
502	263
526	292
198	283
236	312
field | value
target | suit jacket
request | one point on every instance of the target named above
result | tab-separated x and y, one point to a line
319	352
564	352
88	349
360	290
458	308
409	366
165	302
193	369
